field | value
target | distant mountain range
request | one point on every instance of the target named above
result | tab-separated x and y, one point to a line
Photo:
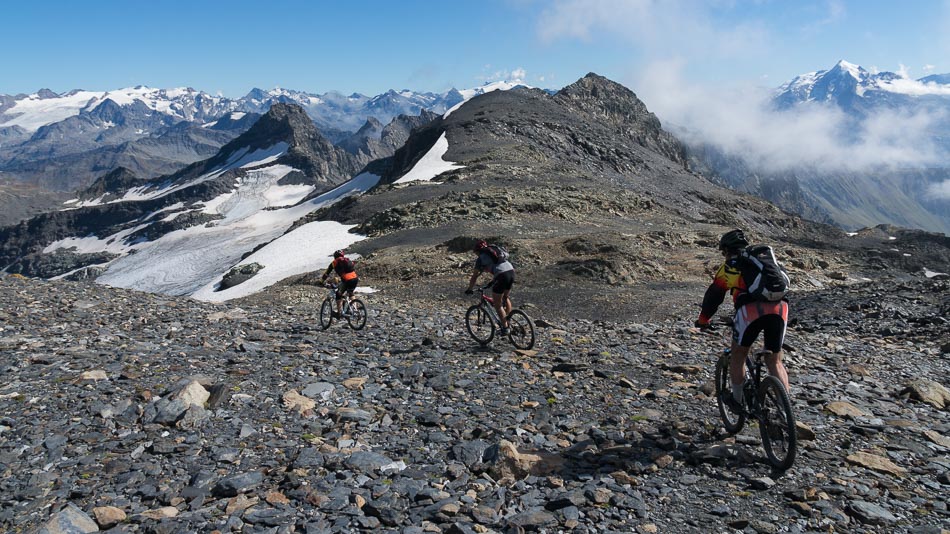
853	88
65	141
903	193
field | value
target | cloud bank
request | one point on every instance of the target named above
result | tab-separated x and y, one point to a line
740	120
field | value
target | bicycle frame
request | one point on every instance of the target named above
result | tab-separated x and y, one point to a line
489	304
346	296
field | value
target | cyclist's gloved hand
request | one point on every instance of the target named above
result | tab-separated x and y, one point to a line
469	291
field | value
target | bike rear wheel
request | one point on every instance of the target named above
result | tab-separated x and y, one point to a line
521	330
326	313
357	316
777	423
479	324
733	422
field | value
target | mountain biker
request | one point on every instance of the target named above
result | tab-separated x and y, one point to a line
503	278
752	317
348	279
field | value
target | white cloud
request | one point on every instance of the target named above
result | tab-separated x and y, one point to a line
906	86
518	74
940	191
671	27
741	121
929	68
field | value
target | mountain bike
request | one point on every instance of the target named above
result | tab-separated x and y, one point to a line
353	310
766	401
481	320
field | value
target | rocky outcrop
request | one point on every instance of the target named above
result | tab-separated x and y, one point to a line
608	101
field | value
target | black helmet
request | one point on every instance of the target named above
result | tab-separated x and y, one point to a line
338	254
733	240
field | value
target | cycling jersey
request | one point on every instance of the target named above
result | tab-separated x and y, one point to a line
344	269
486	263
729	278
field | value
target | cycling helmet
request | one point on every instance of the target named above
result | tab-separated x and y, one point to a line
481	245
338	254
733	240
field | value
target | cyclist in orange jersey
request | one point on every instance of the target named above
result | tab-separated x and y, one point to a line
346	270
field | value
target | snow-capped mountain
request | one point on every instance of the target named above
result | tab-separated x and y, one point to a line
858	104
339	115
31	112
64	141
851	86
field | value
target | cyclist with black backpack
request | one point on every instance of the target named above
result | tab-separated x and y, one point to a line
759	287
494	259
346	270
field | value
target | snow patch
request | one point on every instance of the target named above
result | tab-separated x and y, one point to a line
431	164
185	261
305	249
933	274
287	195
240	158
115	243
33	112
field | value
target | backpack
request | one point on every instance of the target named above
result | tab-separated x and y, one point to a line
765	277
498	253
344	265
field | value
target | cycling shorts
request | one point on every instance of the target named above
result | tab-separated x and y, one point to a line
768	318
503	282
346	286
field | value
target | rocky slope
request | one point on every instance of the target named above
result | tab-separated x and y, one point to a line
285	137
150	413
141	413
20	201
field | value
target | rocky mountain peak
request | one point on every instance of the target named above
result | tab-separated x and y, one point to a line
609	101
288	123
46	93
596	94
370	127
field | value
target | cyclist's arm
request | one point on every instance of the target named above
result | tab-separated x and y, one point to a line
327	272
473	279
715	294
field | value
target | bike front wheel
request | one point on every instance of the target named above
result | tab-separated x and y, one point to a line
480	324
326	313
357	316
777	423
521	330
732	422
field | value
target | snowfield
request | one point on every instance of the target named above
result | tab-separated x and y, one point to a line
431	164
258	211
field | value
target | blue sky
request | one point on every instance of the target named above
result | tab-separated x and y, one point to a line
368	47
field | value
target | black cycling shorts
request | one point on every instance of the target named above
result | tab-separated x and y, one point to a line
757	317
346	286
773	327
503	282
